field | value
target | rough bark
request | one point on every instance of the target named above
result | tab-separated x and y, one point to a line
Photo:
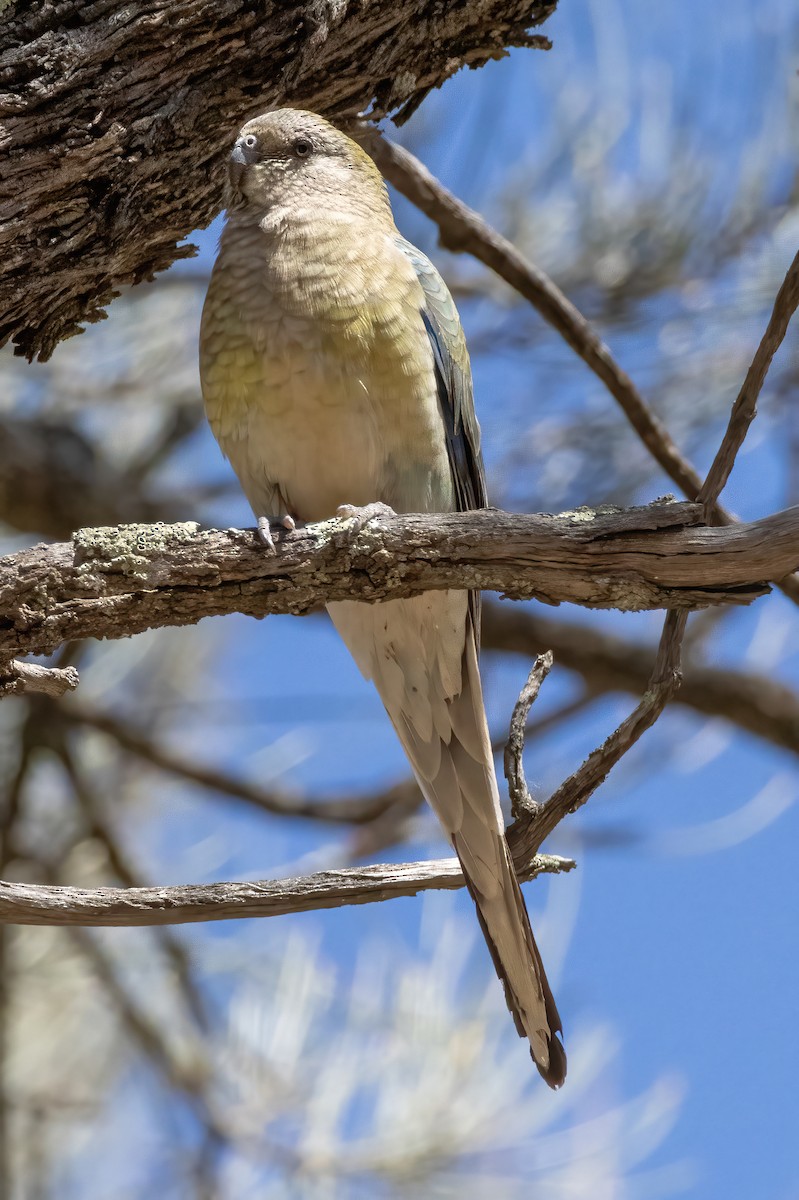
114	119
121	581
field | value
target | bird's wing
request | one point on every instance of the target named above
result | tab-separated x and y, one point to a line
455	393
454	379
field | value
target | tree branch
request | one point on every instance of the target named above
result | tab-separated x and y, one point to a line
23	678
521	800
116	117
48	904
112	583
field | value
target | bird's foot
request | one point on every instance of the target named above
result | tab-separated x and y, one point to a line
362	516
285	524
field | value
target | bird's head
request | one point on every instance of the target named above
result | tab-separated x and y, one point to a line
292	157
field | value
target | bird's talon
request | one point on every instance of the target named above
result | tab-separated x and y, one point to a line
265	535
361	516
285	523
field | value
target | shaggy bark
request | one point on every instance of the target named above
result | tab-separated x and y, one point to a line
114	120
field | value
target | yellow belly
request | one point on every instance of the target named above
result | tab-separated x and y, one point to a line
315	436
325	428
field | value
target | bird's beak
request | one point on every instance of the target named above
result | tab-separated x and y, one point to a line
237	165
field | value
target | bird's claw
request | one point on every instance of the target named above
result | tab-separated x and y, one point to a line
267	524
361	516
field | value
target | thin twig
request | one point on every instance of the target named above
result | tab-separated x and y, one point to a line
754	702
530	830
47	904
550	720
744	409
520	799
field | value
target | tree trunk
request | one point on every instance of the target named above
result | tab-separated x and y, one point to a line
114	120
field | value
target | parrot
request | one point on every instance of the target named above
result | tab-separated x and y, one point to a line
335	376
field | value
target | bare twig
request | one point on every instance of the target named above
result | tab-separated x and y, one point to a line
530	829
23	677
117	582
47	904
553	718
744	409
520	799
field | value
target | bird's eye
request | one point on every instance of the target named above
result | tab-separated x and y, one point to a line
251	141
302	147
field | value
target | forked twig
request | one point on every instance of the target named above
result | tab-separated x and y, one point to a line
532	827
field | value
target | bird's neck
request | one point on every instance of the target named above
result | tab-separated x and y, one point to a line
308	261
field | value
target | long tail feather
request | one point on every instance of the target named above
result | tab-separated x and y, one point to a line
422	656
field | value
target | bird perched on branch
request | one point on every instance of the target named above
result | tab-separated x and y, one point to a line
335	375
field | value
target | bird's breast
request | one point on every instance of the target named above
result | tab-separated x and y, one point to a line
319	377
